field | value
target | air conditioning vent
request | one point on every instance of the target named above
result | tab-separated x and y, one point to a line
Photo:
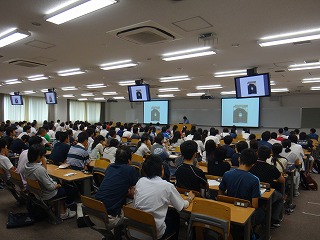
25	63
143	33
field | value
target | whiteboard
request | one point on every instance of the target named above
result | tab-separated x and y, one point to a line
280	117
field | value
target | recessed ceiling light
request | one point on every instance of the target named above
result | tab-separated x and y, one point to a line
99	98
82	99
175	78
118	64
315	88
69	72
76	10
185	51
29	92
12	81
304	66
310	80
69	88
127	83
195	94
231	73
165	95
44	90
275	90
37	78
11	36
68	96
169	90
87	94
272	83
228	93
109	93
118	98
208	87
190	55
99	85
292	37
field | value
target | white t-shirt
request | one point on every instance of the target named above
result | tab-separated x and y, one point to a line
23	160
200	146
104	132
96	150
283	161
6	165
127	134
154	196
214	138
44	141
21	134
51	134
142	150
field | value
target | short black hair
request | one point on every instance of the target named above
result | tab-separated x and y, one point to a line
312	130
228	139
265	136
158	139
26	128
297	131
145	137
123	155
3	143
197	136
293	138
188	149
273	135
35	151
280	130
286	143
25	137
114	142
35	140
252	136
210	147
248	157
63	136
303	136
9	130
152	166
241	146
83	136
220	154
264	153
112	133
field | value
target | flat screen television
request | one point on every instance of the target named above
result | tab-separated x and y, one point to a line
51	97
16	100
244	112
253	86
139	93
155	111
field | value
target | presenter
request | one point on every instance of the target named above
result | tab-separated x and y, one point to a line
185	120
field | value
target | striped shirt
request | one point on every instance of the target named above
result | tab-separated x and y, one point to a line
78	156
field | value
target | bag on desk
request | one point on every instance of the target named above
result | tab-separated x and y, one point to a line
308	182
19	220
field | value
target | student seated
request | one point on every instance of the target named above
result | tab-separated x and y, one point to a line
78	156
313	134
60	150
268	173
210	146
189	176
227	141
145	145
97	147
118	183
50	189
277	160
20	144
5	162
110	151
154	195
240	146
216	164
265	137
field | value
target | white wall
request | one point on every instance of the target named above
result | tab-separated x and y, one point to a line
61	110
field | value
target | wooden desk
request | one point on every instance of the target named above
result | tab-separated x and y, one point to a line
239	216
204	169
56	172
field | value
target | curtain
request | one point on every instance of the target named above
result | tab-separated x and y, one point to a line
33	108
85	111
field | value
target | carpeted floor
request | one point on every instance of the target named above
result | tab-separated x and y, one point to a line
303	223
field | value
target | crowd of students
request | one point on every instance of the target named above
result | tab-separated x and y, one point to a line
76	144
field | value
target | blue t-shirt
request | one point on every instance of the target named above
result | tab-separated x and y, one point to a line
264	143
240	184
59	152
114	188
230	151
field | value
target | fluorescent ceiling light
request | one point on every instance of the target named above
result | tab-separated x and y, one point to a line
11	36
291	37
195	94
272	83
82	99
63	5
186	51
37	78
119	98
165	95
231	73
44	90
29	92
79	10
191	55
315	88
169	90
310	80
228	93
99	85
275	90
118	64
127	83
69	72
209	87
175	79
109	93
87	94
68	96
69	88
304	66
12	81
99	98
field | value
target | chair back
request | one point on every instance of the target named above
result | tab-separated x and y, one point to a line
98	178
101	163
134	141
212	177
177	149
205	164
3	175
183	191
124	139
136	159
16	179
34	187
232	200
210	216
105	159
139	224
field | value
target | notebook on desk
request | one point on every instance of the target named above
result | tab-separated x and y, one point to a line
213	182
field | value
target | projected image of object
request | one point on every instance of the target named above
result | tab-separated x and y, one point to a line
252	88
51	97
16	100
242	112
155	111
139	93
